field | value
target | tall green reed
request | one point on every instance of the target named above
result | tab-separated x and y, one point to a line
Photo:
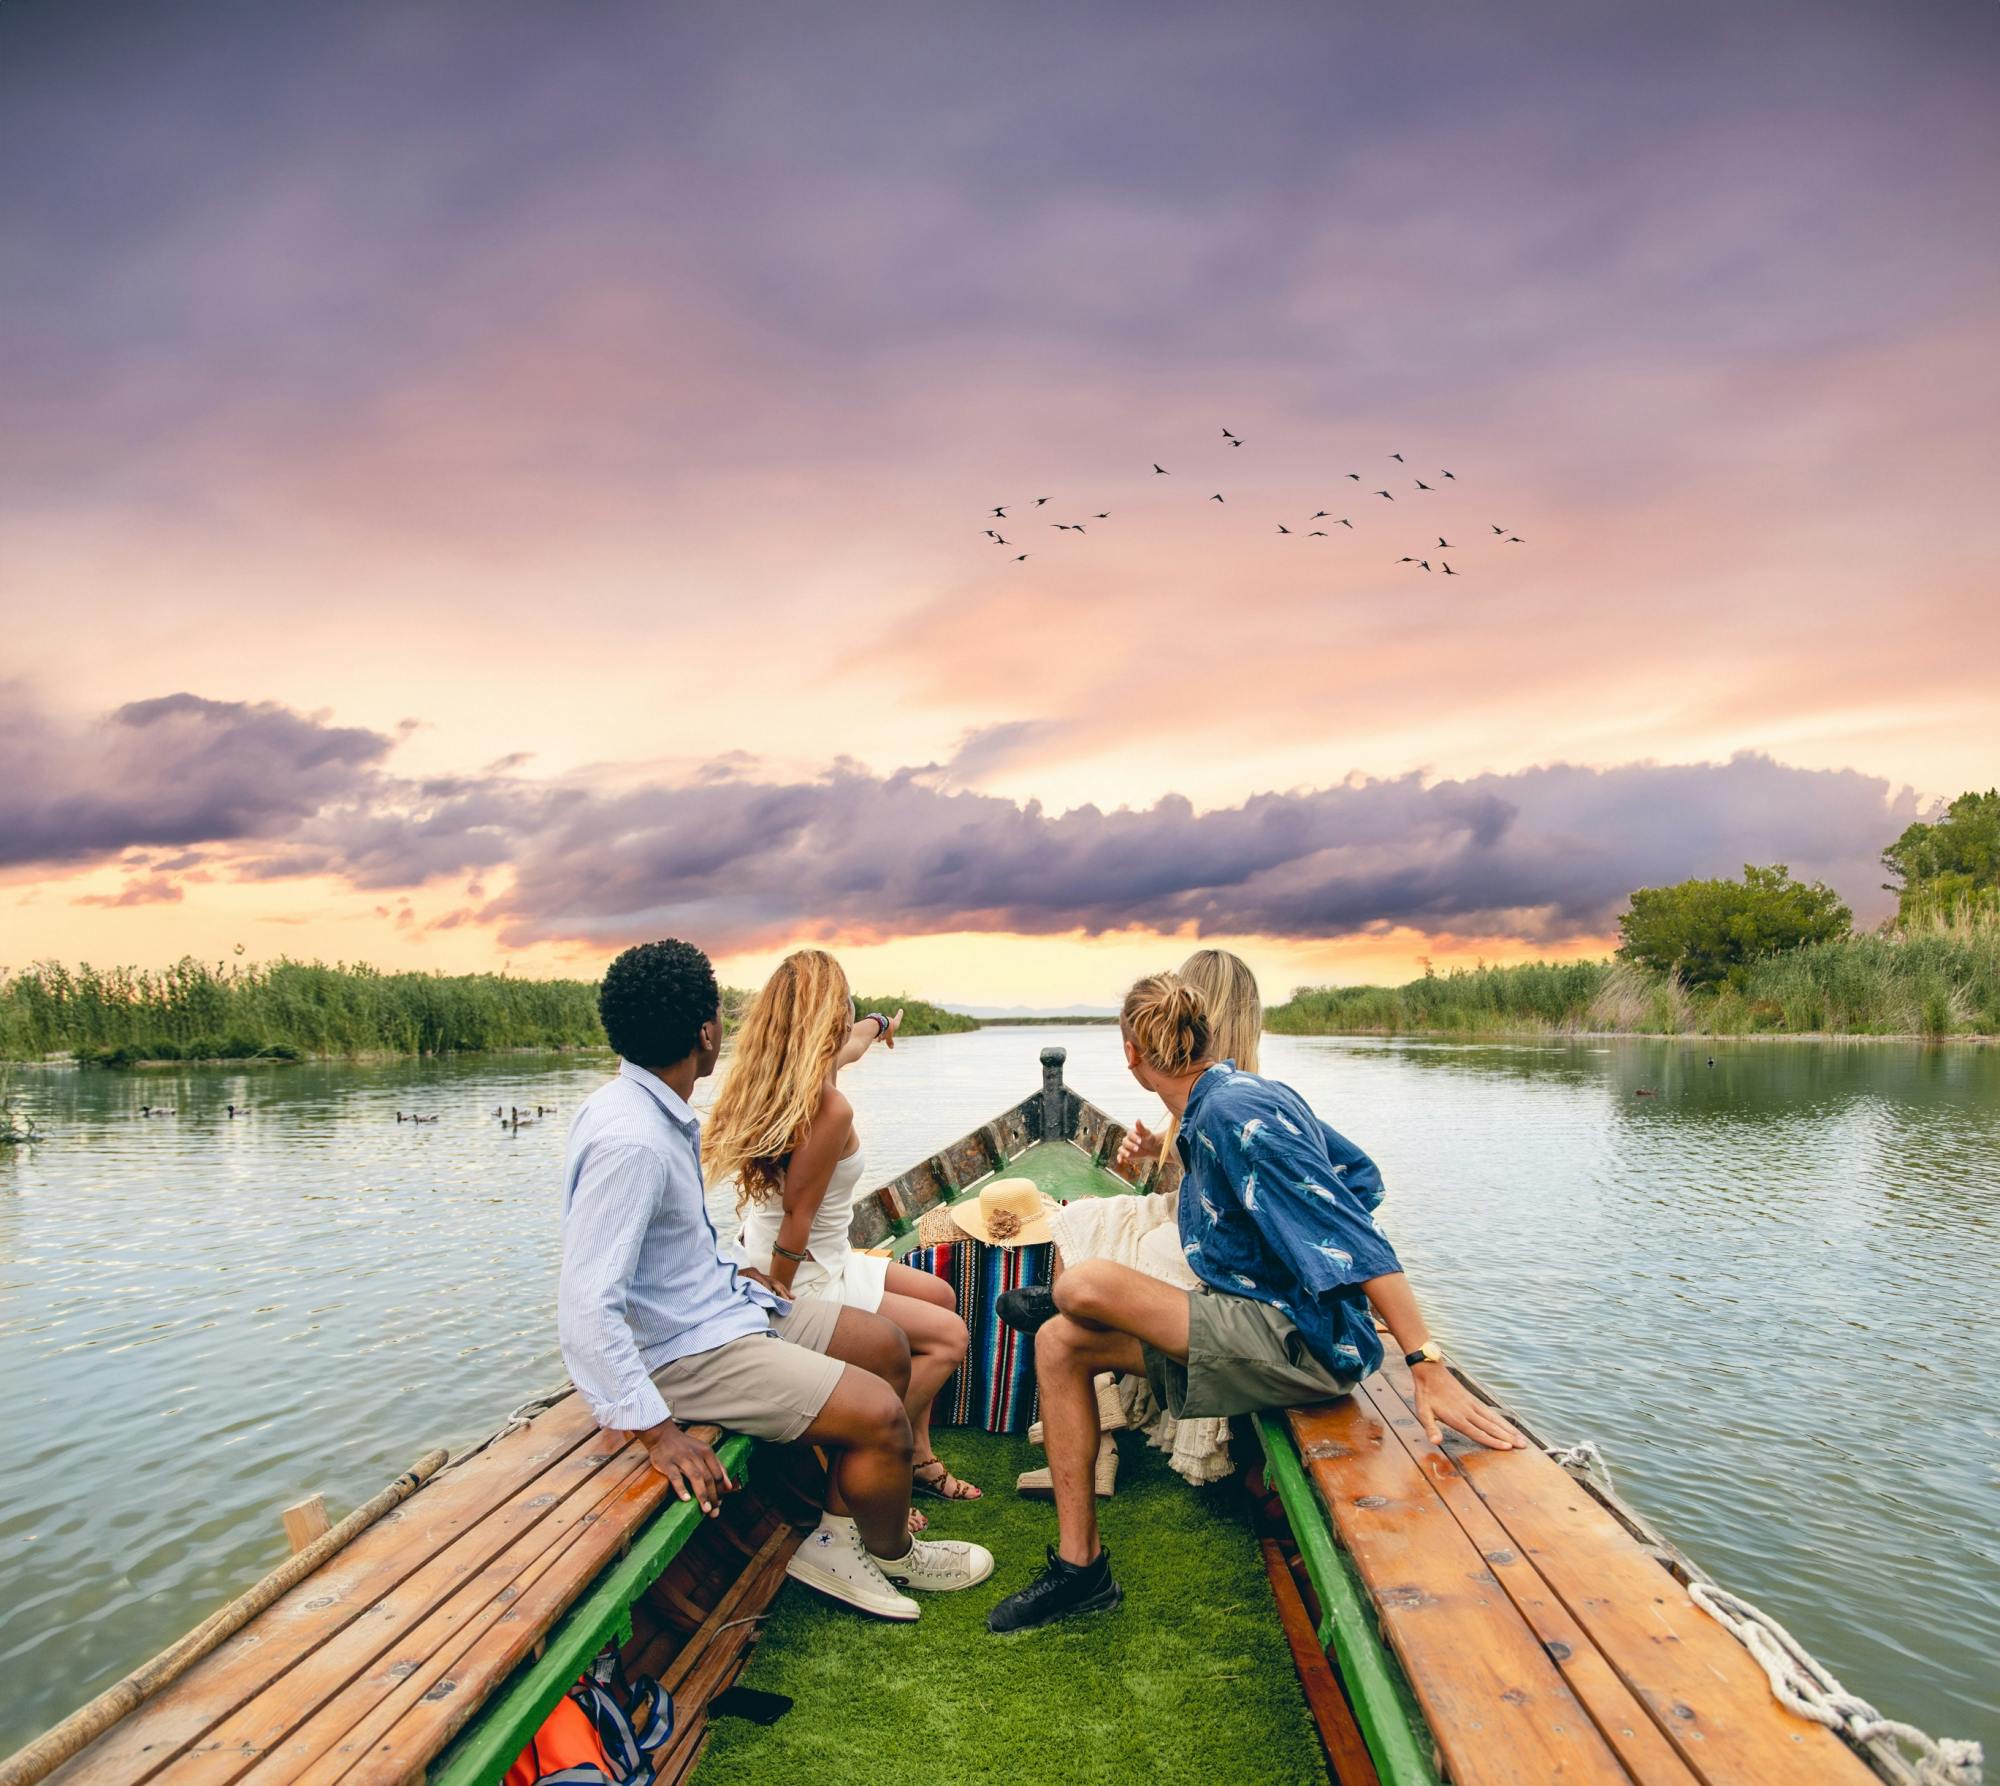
1934	979
198	1008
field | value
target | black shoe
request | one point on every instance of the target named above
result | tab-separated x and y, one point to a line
1062	1589
1027	1309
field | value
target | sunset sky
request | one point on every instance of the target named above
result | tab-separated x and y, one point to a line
488	484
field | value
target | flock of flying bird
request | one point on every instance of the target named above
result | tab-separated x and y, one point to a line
1422	559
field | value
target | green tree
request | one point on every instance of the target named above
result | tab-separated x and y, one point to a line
1710	931
1950	864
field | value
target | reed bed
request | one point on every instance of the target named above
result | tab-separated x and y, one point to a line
285	1010
1932	980
196	1010
920	1017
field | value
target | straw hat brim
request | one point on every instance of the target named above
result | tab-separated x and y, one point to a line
971	1217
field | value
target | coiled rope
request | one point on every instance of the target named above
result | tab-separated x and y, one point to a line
1801	1683
1804	1686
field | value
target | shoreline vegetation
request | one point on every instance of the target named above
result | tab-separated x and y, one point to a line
1932	981
283	1011
1929	982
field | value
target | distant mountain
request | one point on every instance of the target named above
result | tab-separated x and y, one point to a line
1017	1013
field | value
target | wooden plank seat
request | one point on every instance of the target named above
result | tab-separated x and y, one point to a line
1540	1639
371	1665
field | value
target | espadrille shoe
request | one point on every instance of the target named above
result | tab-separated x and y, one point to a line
1110	1410
1110	1405
1039	1485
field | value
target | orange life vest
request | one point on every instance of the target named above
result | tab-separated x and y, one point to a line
566	1751
604	1731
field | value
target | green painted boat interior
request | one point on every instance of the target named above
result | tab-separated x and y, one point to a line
1190	1679
1064	1170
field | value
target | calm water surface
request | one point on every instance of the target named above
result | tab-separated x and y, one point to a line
1768	1293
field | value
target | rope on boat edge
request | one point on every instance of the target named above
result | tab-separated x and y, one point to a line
1804	1685
525	1415
1800	1682
1585	1458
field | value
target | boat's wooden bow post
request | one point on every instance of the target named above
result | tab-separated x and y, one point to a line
1055	1099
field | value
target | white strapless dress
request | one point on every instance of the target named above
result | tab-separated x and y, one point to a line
835	1272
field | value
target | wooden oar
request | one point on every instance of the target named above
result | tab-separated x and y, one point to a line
84	1726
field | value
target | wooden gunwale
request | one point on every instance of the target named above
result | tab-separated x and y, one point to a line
1671	1698
1386	1710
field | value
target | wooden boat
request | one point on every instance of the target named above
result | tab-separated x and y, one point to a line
1452	1614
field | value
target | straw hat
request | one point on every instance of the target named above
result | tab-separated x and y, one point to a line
1008	1212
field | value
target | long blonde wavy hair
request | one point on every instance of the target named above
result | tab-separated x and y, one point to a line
783	1058
1235	1007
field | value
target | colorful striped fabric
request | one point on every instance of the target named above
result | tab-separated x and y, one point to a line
995	1387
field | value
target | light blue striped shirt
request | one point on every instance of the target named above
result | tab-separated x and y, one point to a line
643	1277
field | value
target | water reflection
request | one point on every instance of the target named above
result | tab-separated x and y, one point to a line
1765	1290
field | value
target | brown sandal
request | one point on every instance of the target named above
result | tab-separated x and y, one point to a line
944	1486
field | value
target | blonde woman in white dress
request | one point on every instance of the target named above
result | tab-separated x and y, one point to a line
1144	1232
783	1132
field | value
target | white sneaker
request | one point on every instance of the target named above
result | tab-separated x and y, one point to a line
938	1565
834	1562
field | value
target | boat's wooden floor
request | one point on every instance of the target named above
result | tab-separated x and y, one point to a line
1542	1640
368	1667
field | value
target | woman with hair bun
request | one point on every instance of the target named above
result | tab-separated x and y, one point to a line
1141	1231
1277	1226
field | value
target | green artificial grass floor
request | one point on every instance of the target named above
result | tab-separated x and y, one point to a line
1188	1681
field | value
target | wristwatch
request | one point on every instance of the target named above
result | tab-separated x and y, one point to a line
1430	1352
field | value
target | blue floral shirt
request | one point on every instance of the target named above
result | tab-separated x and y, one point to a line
1278	1207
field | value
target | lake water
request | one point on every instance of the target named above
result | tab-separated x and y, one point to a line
1768	1294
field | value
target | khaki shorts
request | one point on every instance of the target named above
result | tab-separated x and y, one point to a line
769	1385
1242	1356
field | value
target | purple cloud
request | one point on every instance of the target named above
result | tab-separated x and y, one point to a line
986	750
170	772
1543	854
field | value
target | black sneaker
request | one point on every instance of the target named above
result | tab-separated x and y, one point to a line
1028	1309
1061	1590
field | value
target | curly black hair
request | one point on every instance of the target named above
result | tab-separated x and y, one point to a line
654	1000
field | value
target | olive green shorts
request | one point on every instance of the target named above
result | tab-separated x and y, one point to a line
1242	1356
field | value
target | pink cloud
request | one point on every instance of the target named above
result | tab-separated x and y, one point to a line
153	890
